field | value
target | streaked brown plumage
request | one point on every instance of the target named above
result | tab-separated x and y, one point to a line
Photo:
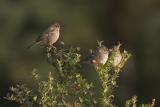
118	56
48	37
100	56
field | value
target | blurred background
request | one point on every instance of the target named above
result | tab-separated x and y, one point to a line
135	23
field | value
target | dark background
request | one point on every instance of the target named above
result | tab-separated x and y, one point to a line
135	23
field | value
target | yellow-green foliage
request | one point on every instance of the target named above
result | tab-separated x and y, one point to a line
133	103
70	88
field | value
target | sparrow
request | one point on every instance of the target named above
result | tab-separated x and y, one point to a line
100	56
48	37
118	57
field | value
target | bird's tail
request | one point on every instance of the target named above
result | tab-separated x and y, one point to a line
33	44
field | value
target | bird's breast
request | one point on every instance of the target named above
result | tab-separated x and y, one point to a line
103	58
117	59
53	37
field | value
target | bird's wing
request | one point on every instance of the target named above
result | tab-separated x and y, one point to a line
42	36
33	44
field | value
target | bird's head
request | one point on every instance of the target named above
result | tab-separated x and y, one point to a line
117	47
55	26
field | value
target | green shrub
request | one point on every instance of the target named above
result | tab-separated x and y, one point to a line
71	88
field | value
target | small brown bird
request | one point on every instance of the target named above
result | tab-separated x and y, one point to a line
48	37
100	56
118	56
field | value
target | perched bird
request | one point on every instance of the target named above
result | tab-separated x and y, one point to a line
118	56
100	56
48	37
